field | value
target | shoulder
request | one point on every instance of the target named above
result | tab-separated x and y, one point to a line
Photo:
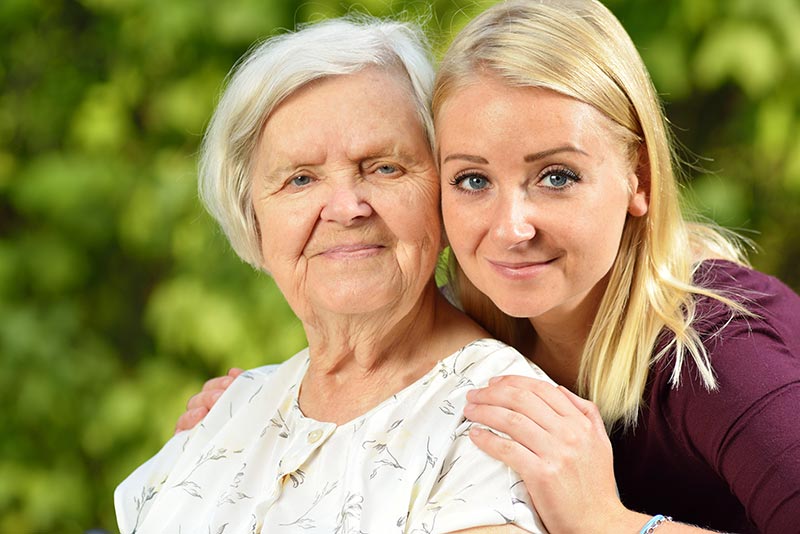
471	489
764	343
288	371
227	427
755	358
750	354
254	390
490	357
762	294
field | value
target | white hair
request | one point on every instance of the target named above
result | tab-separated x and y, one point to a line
267	75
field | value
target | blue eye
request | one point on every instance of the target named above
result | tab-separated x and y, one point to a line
559	178
470	182
386	169
300	181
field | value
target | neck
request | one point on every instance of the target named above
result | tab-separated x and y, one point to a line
558	353
560	338
357	363
362	342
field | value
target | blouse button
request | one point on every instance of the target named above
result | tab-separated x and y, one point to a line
314	436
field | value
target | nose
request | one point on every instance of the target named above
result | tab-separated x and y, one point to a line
345	204
512	223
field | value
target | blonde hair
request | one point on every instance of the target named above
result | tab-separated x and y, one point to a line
271	72
579	49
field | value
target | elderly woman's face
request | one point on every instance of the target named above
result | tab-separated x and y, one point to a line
346	195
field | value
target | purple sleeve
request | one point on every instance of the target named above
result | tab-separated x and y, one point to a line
748	431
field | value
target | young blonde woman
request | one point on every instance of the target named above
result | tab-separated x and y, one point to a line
560	202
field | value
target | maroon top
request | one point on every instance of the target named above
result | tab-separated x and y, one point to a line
727	460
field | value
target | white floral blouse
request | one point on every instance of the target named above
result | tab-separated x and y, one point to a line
258	465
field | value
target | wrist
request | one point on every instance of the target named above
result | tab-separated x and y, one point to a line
620	520
653	523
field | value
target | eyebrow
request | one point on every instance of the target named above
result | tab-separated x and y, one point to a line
529	158
544	153
466	157
278	172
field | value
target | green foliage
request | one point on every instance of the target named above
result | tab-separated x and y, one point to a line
119	297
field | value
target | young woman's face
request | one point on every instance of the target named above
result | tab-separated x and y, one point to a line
535	193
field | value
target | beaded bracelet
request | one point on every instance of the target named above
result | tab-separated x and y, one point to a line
654	523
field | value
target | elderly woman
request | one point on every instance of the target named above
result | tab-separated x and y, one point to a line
561	206
318	167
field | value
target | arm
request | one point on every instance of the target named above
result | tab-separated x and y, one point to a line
135	495
560	449
747	429
502	529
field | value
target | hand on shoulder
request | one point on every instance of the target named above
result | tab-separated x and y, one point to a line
200	404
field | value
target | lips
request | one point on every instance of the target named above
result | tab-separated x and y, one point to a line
519	270
351	251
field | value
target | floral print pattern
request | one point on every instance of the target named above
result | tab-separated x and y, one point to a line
257	465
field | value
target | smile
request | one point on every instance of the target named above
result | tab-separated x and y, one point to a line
519	270
352	252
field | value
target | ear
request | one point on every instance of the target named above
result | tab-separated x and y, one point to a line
639	185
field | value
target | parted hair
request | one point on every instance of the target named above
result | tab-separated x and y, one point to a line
268	74
578	48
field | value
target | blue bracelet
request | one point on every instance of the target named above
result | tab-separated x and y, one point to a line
654	523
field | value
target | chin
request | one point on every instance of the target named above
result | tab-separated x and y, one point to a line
519	308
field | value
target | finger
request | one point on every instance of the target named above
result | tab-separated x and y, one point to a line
511	453
189	419
531	404
565	430
580	403
220	382
547	391
204	399
233	372
586	407
517	426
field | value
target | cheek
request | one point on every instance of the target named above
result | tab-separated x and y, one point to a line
416	213
599	238
455	217
422	229
284	234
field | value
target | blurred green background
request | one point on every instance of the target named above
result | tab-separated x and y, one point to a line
119	297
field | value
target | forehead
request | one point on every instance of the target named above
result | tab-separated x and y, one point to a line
373	107
492	101
501	122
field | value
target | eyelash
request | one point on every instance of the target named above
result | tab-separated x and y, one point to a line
375	169
458	179
396	169
290	182
562	171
